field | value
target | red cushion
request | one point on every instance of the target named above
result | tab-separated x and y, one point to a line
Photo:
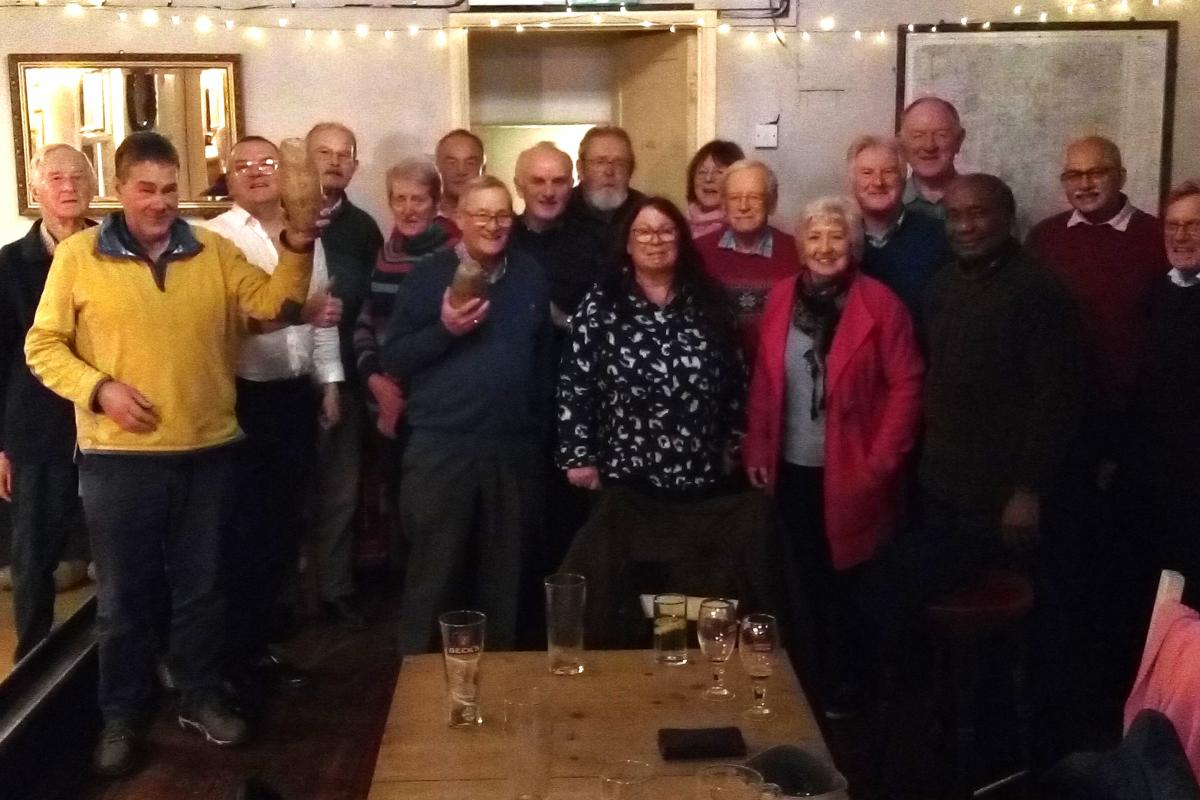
995	597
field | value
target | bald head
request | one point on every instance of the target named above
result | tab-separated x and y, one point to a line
543	180
1093	177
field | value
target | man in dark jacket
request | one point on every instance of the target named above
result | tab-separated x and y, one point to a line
37	427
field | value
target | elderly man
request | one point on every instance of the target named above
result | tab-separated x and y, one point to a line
348	249
137	327
1110	256
460	159
605	166
932	135
748	256
277	409
37	471
567	250
478	380
904	249
1164	465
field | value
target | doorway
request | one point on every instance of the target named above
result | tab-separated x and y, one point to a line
517	89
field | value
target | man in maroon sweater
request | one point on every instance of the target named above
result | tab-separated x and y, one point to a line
1110	256
748	256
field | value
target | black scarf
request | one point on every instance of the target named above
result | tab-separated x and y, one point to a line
816	311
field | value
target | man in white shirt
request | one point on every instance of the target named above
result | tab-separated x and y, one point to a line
277	408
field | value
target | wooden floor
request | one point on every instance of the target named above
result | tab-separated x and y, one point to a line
314	744
65	604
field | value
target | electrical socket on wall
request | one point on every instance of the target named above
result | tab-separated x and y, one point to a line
766	136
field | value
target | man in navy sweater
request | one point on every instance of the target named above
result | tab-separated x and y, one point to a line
478	382
904	249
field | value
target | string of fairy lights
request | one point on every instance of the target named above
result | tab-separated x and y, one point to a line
254	24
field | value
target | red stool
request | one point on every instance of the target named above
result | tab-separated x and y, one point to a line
994	604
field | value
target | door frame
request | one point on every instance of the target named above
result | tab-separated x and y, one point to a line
703	70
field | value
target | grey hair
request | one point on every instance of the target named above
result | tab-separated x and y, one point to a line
38	159
1108	148
750	163
868	140
418	169
838	207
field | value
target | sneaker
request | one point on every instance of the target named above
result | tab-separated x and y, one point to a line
119	750
217	723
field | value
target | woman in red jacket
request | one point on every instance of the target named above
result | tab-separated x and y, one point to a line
832	415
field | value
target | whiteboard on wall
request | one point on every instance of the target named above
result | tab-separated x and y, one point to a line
1023	91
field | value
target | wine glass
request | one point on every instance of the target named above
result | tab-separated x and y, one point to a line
759	649
717	630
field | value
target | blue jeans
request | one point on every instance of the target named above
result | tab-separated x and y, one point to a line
155	521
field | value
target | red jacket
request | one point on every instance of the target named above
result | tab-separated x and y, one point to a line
873	393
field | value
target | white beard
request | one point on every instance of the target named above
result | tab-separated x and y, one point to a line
606	199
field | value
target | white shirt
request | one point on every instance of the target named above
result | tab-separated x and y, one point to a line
1119	221
1184	278
296	349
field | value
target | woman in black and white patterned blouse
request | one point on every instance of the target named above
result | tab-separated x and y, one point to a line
652	388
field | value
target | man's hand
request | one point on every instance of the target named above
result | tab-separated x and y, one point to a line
390	399
584	478
1019	522
466	318
757	477
322	310
298	239
331	408
127	407
5	477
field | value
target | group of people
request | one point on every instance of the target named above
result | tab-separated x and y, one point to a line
905	381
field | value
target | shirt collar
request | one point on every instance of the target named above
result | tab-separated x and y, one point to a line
49	241
496	274
1119	221
116	241
1183	279
765	246
882	239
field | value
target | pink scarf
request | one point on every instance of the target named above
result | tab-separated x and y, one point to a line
703	222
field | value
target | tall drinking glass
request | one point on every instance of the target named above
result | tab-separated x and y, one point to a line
670	629
527	733
717	630
759	650
462	649
566	594
733	782
625	780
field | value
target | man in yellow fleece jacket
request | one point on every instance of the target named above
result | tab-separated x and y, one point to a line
139	327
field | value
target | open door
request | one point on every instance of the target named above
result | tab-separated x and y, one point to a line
656	104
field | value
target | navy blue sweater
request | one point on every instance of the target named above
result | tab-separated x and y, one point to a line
493	380
908	261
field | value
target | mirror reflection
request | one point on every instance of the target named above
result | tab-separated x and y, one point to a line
93	104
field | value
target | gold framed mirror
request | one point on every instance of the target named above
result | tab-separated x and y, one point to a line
93	100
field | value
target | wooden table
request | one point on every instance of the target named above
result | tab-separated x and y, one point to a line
609	713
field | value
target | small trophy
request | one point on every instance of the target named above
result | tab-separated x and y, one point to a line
470	282
299	185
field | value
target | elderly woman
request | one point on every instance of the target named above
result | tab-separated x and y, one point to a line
414	190
833	413
650	399
704	175
748	256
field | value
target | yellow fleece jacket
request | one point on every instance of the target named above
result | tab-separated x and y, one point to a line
104	317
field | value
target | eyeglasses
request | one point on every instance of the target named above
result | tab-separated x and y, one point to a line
265	166
481	219
648	235
617	164
1190	229
751	199
1078	175
705	174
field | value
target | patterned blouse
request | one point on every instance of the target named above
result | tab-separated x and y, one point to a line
646	395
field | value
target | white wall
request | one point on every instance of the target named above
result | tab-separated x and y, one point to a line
395	94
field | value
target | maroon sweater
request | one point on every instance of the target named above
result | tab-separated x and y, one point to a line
1111	275
748	277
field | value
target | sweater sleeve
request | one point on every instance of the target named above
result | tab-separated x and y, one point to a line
1054	366
50	343
366	344
415	338
578	389
259	295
